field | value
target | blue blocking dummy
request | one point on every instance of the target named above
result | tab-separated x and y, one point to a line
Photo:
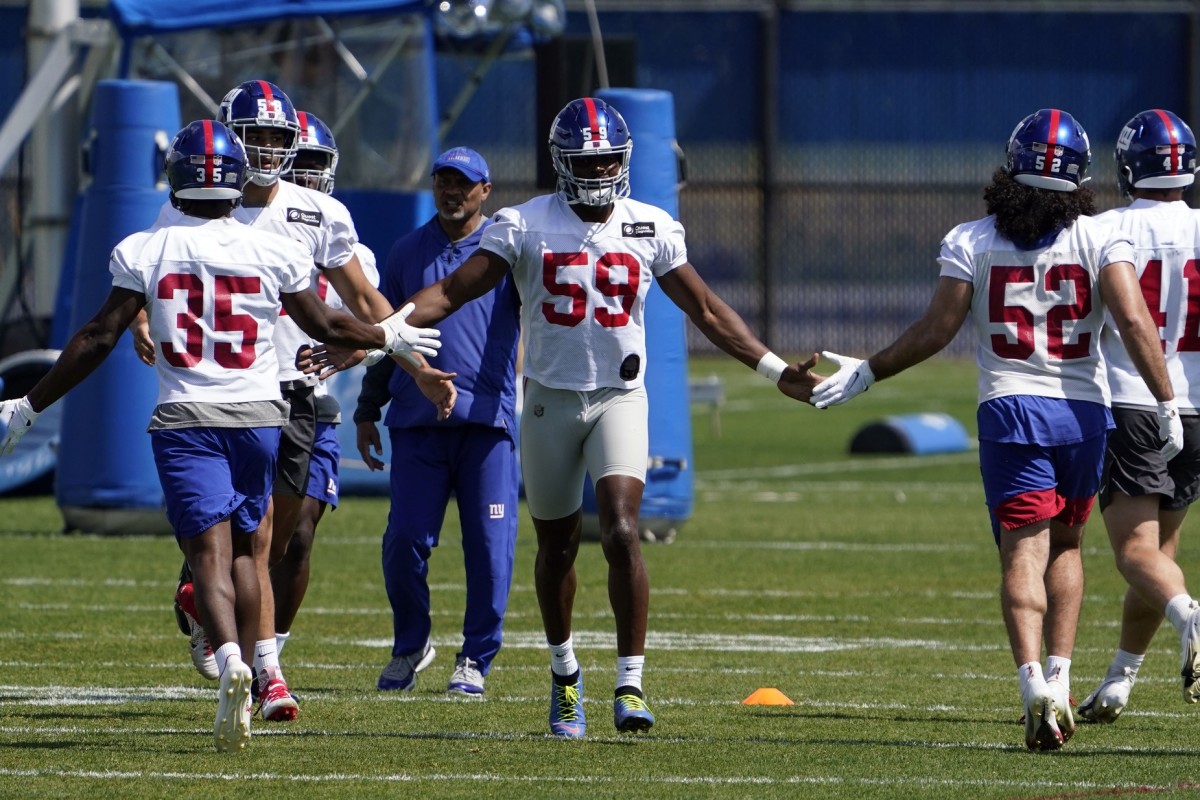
654	179
106	480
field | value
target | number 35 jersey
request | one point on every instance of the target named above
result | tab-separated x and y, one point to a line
1037	313
214	290
583	287
1166	241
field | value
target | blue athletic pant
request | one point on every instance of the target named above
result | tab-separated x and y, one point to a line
478	465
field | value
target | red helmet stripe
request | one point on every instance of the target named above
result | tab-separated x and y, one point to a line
1176	159
266	90
593	122
1053	141
208	152
303	117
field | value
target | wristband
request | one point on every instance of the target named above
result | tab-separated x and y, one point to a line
771	367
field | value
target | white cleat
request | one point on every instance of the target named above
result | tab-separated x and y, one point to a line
1109	699
1189	667
1062	708
1041	723
232	728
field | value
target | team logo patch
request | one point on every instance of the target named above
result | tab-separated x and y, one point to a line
305	216
638	230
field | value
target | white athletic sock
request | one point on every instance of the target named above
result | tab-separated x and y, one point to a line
562	658
1125	661
1059	668
266	660
629	671
224	653
1179	610
1033	682
280	641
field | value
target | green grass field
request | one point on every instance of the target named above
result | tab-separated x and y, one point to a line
865	589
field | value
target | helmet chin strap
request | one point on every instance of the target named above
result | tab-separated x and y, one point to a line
263	180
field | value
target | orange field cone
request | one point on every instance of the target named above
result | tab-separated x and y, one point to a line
768	697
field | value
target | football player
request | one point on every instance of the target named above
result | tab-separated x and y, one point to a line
216	289
267	122
1036	277
1145	496
583	259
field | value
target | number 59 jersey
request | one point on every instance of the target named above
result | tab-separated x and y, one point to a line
1037	313
214	290
1166	241
583	287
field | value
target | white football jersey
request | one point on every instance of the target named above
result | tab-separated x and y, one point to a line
583	287
1037	313
323	225
334	300
214	290
1166	243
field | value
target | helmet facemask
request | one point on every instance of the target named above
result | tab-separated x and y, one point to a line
591	191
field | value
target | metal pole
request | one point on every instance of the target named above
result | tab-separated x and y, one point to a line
769	143
52	165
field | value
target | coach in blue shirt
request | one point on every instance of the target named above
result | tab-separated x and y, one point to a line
471	454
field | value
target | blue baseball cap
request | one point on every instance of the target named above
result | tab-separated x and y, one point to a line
466	161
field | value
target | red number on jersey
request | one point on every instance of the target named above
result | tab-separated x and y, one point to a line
551	262
1001	277
1057	277
322	291
615	275
1189	340
186	322
223	320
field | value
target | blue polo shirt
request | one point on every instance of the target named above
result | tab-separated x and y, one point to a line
479	341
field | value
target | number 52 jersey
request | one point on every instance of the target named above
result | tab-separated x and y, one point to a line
1037	313
583	287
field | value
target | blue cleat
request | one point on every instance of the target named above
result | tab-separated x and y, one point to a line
630	713
566	707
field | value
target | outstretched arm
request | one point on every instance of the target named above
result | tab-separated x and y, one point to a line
943	317
725	328
362	299
88	348
473	278
393	334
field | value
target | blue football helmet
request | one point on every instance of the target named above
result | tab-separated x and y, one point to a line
316	159
1049	150
1156	150
259	104
206	162
589	127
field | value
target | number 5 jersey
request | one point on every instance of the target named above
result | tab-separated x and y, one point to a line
1037	313
583	287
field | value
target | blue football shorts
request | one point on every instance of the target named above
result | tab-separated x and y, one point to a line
212	474
323	465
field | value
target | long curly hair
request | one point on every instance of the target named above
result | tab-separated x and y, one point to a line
1026	214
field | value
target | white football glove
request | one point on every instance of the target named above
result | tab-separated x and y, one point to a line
18	416
374	357
854	376
1170	428
404	338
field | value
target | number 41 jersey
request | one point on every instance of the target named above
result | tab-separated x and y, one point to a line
1166	238
583	287
1037	313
